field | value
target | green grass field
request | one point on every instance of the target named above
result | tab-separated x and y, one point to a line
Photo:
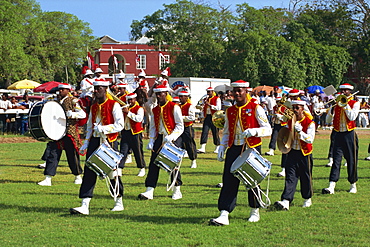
33	215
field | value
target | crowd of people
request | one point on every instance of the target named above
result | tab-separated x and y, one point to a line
117	118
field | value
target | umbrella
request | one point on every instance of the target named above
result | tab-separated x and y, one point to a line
312	89
223	88
267	89
285	89
24	84
47	86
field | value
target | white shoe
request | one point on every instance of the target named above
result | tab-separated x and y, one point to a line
202	148
46	181
176	193
141	172
345	164
148	194
282	205
307	203
43	165
219	185
193	164
270	153
118	206
128	159
216	150
222	220
353	188
367	158
78	179
330	189
186	155
255	215
330	162
84	209
282	173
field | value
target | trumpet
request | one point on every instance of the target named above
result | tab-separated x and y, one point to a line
116	98
201	102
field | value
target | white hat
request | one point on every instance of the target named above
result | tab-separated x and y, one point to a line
131	96
101	82
160	88
89	72
98	70
346	86
294	92
317	91
249	89
122	84
240	83
175	99
298	102
184	93
64	85
164	72
142	73
210	89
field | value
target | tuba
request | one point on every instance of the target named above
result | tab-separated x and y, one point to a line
218	119
116	98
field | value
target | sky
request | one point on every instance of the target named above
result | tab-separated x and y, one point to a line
114	17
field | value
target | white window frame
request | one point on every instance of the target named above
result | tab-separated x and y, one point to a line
163	61
142	62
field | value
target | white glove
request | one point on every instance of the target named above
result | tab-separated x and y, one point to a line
169	138
249	132
150	145
98	128
84	147
221	153
298	127
69	114
115	173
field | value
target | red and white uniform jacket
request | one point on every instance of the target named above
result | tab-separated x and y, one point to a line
240	118
304	139
134	119
166	120
216	105
109	115
344	117
188	114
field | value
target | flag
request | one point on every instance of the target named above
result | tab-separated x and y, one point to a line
169	71
137	60
163	57
90	61
114	58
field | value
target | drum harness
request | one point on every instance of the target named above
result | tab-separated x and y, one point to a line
260	193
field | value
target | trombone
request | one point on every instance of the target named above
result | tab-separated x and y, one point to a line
341	100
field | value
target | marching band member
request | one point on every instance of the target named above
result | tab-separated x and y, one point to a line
98	73
105	122
188	115
70	142
345	140
298	163
86	85
278	111
246	122
141	81
166	125
131	135
211	104
122	92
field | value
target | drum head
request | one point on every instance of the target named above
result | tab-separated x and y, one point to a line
284	140
54	120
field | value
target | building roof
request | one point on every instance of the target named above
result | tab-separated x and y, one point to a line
106	39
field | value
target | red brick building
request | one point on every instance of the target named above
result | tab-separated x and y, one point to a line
132	56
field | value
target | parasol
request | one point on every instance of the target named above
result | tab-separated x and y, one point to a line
24	84
47	86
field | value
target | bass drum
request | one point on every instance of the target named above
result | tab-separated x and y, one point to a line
47	121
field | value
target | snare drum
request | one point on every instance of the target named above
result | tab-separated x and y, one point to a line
251	168
104	160
169	157
47	121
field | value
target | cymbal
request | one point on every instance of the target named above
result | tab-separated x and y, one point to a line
284	140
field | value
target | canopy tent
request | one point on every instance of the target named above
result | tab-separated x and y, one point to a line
24	84
47	86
